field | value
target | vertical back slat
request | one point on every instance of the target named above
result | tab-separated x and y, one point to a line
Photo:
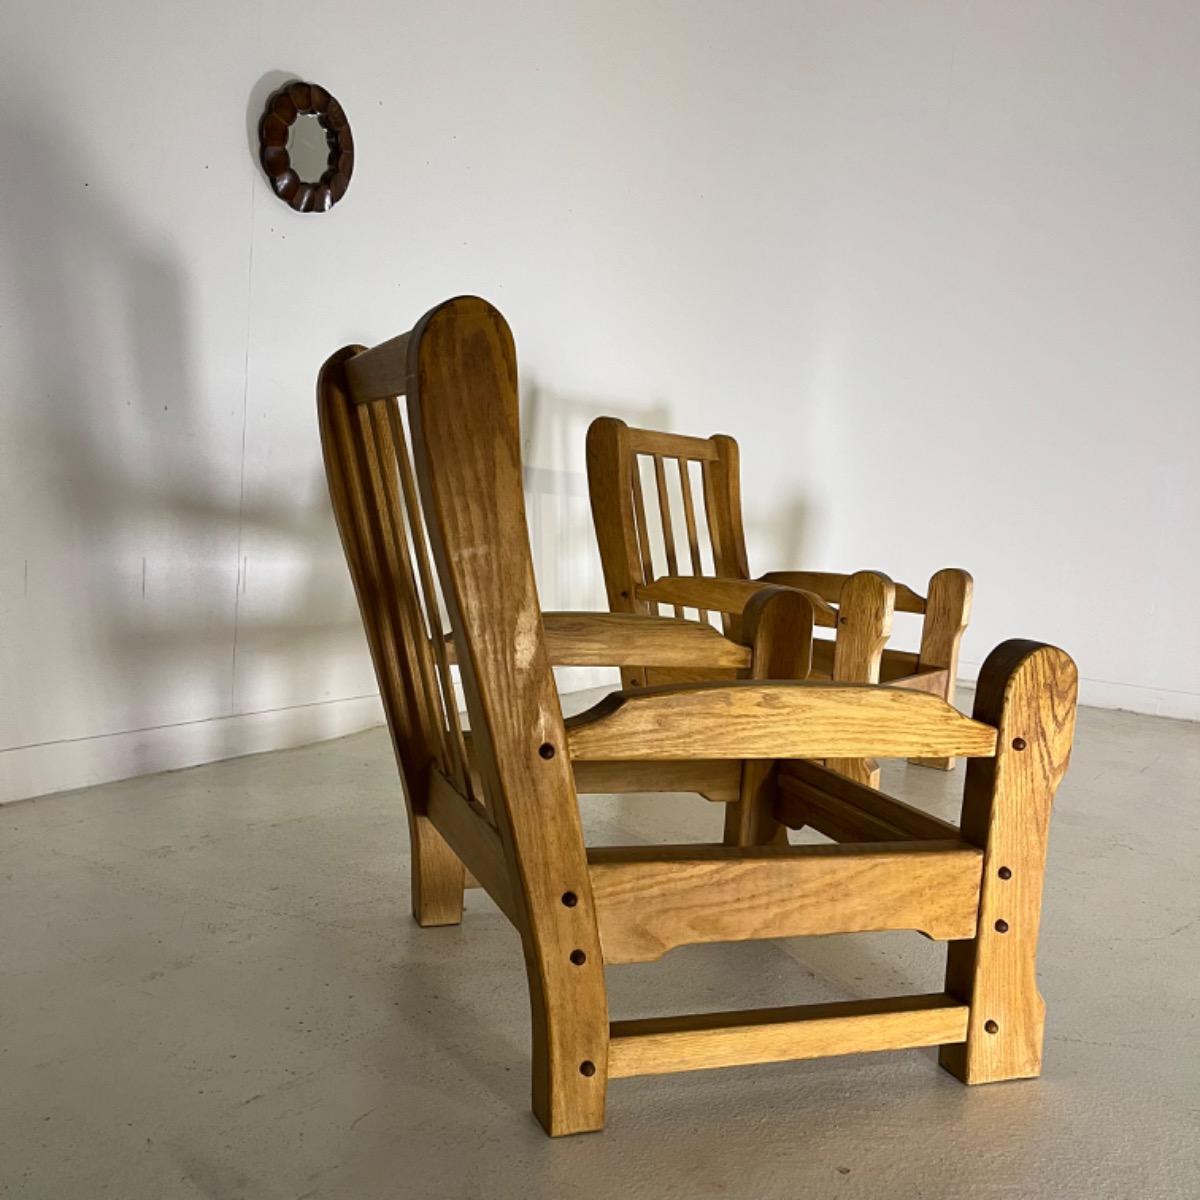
664	516
462	771
689	518
639	515
396	574
415	727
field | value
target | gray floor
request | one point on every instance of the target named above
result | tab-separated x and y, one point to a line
211	987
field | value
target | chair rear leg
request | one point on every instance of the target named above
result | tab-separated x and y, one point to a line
947	611
1028	691
865	610
438	877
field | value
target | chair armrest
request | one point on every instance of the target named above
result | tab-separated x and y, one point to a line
595	639
828	585
723	595
750	719
584	639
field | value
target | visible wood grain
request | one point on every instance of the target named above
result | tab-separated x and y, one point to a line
947	613
721	595
748	719
847	811
467	451
672	445
381	372
723	509
865	610
714	779
429	622
777	625
397	587
583	639
475	841
664	516
662	1045
610	490
652	898
1028	691
646	570
689	520
403	674
829	585
513	815
929	680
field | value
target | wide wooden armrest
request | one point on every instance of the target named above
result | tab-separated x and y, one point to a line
722	595
594	639
828	585
752	719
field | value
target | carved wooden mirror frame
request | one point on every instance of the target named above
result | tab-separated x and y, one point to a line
291	101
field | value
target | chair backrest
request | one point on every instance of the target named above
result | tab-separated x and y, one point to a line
373	489
448	488
696	495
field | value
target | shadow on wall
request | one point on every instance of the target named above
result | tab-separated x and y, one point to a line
125	463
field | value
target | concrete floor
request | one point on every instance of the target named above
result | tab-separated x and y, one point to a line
210	986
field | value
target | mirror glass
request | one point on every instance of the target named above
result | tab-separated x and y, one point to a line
308	148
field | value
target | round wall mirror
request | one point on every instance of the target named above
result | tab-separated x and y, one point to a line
306	147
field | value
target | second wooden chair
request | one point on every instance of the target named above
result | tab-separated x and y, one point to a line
694	484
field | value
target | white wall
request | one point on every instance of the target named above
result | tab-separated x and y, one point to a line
934	264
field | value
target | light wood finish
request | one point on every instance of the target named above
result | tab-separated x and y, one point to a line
1028	691
463	416
830	585
774	623
670	445
689	518
608	458
774	720
714	779
503	800
865	609
931	680
723	595
855	604
947	612
380	373
664	516
593	639
663	1045
398	644
470	834
651	899
847	811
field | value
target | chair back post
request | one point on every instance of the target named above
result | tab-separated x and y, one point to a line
723	507
463	415
610	467
1028	691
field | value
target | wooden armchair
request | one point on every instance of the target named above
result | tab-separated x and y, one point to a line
509	812
858	607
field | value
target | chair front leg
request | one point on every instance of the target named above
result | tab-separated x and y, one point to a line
947	611
1028	691
865	610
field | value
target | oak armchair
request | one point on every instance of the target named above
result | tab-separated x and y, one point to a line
506	805
694	484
